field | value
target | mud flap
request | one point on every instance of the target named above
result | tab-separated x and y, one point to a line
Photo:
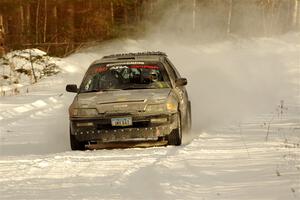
112	145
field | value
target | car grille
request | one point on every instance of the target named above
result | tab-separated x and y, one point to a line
105	123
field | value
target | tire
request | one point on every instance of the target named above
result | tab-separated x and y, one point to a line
175	137
75	144
189	120
187	125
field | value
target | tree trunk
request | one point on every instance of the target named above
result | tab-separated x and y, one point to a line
32	68
264	21
37	22
271	27
55	23
28	24
228	30
70	37
194	15
151	8
276	20
22	20
136	11
1	26
2	51
295	14
112	12
45	23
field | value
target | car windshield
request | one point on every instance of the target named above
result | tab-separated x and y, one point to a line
125	76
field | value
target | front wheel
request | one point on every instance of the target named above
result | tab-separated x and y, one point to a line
175	137
189	118
75	144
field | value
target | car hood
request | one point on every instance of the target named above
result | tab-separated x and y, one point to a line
122	101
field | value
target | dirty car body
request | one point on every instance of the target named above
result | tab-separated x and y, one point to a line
129	98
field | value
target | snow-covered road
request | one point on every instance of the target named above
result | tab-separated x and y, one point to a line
232	163
226	160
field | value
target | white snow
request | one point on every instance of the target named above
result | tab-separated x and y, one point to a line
243	146
16	70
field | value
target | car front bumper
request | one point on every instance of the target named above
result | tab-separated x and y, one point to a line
143	128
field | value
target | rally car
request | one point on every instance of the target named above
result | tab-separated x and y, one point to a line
129	98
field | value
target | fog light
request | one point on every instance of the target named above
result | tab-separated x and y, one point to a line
84	124
159	120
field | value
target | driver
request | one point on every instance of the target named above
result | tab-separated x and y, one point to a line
153	76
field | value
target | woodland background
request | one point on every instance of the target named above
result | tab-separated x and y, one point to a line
59	27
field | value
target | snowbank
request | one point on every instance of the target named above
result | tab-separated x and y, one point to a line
24	67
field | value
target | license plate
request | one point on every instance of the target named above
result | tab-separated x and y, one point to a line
122	121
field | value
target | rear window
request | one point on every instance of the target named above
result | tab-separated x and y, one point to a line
122	76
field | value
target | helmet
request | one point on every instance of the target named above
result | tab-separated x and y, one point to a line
154	75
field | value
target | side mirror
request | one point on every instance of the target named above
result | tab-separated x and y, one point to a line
181	82
72	88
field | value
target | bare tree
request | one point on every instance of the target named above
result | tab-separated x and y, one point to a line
194	15
45	21
1	37
37	22
1	26
28	27
32	67
55	23
295	13
136	11
22	20
112	15
228	30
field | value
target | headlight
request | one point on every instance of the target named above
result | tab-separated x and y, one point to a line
155	108
84	112
171	104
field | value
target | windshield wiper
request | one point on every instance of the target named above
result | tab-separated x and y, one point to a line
100	90
105	90
136	87
88	91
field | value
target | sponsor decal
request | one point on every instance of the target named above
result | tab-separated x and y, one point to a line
100	69
118	67
144	67
125	63
136	65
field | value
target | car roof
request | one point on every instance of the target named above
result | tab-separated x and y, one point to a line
127	57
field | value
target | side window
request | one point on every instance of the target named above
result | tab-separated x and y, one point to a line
170	71
173	69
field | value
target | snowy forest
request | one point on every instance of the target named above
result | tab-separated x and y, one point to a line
59	27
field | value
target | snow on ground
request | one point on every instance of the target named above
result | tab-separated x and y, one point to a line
253	154
20	68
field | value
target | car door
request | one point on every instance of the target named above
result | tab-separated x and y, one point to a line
180	91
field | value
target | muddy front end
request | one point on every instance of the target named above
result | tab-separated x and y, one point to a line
123	130
98	122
